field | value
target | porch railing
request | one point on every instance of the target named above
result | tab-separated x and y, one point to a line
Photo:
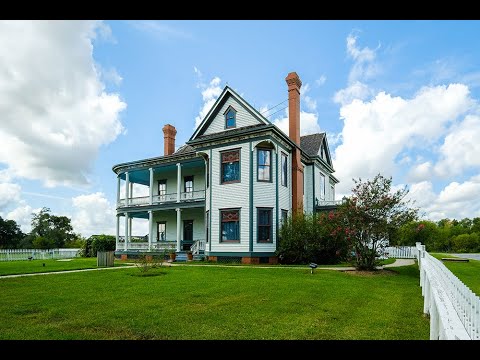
161	199
198	245
321	203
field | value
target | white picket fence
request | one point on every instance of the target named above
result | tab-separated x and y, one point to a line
454	309
27	254
401	252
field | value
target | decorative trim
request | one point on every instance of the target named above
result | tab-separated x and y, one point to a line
250	238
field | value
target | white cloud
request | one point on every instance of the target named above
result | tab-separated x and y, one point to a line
54	109
9	194
420	172
22	215
160	30
364	65
354	91
321	80
93	214
310	103
455	201
461	148
308	123
110	75
376	132
210	93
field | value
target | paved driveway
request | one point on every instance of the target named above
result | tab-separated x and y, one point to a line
468	256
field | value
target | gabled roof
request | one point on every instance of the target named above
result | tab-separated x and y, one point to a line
184	149
310	144
313	144
227	91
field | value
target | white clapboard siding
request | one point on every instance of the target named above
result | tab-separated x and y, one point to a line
171	177
227	196
284	193
170	217
243	117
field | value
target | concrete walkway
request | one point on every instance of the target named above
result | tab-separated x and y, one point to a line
397	263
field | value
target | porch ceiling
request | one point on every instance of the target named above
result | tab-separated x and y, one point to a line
142	176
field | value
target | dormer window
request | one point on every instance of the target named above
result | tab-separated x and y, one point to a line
230	118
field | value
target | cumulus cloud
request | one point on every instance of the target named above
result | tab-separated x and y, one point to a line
210	94
321	80
93	214
461	148
22	215
9	194
308	123
54	108
364	67
420	172
375	132
455	201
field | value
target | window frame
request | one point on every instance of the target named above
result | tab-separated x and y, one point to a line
269	225
161	182
228	111
239	166
283	216
158	233
284	171
234	241
185	184
259	149
322	188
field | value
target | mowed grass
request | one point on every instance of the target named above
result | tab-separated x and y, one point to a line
210	302
36	266
467	272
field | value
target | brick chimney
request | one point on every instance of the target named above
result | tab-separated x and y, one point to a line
294	84
169	133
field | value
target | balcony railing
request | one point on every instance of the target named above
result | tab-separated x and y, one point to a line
163	199
321	203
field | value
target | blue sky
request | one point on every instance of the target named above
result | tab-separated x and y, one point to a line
76	97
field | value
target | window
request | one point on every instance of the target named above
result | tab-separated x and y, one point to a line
322	186
162	189
188	184
264	170
230	225
161	231
230	171
264	225
284	169
284	216
207	226
230	118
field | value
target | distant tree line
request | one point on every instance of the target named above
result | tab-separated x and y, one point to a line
446	235
50	232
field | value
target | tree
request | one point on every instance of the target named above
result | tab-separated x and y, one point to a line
10	234
51	231
371	216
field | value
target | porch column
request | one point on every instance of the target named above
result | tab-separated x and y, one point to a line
126	232
151	185
179	220
131	190
117	238
150	230
118	190
127	188
130	228
179	180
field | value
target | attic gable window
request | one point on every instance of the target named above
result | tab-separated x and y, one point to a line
230	118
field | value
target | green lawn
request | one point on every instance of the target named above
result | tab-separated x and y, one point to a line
467	272
206	302
36	266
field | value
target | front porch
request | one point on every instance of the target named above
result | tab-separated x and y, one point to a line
168	230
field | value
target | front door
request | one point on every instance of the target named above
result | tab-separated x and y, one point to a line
187	234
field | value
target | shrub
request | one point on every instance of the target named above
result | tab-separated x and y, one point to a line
466	243
306	238
102	243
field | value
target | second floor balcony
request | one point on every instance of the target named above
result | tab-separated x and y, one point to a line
190	196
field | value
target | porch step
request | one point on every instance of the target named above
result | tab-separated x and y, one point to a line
181	256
